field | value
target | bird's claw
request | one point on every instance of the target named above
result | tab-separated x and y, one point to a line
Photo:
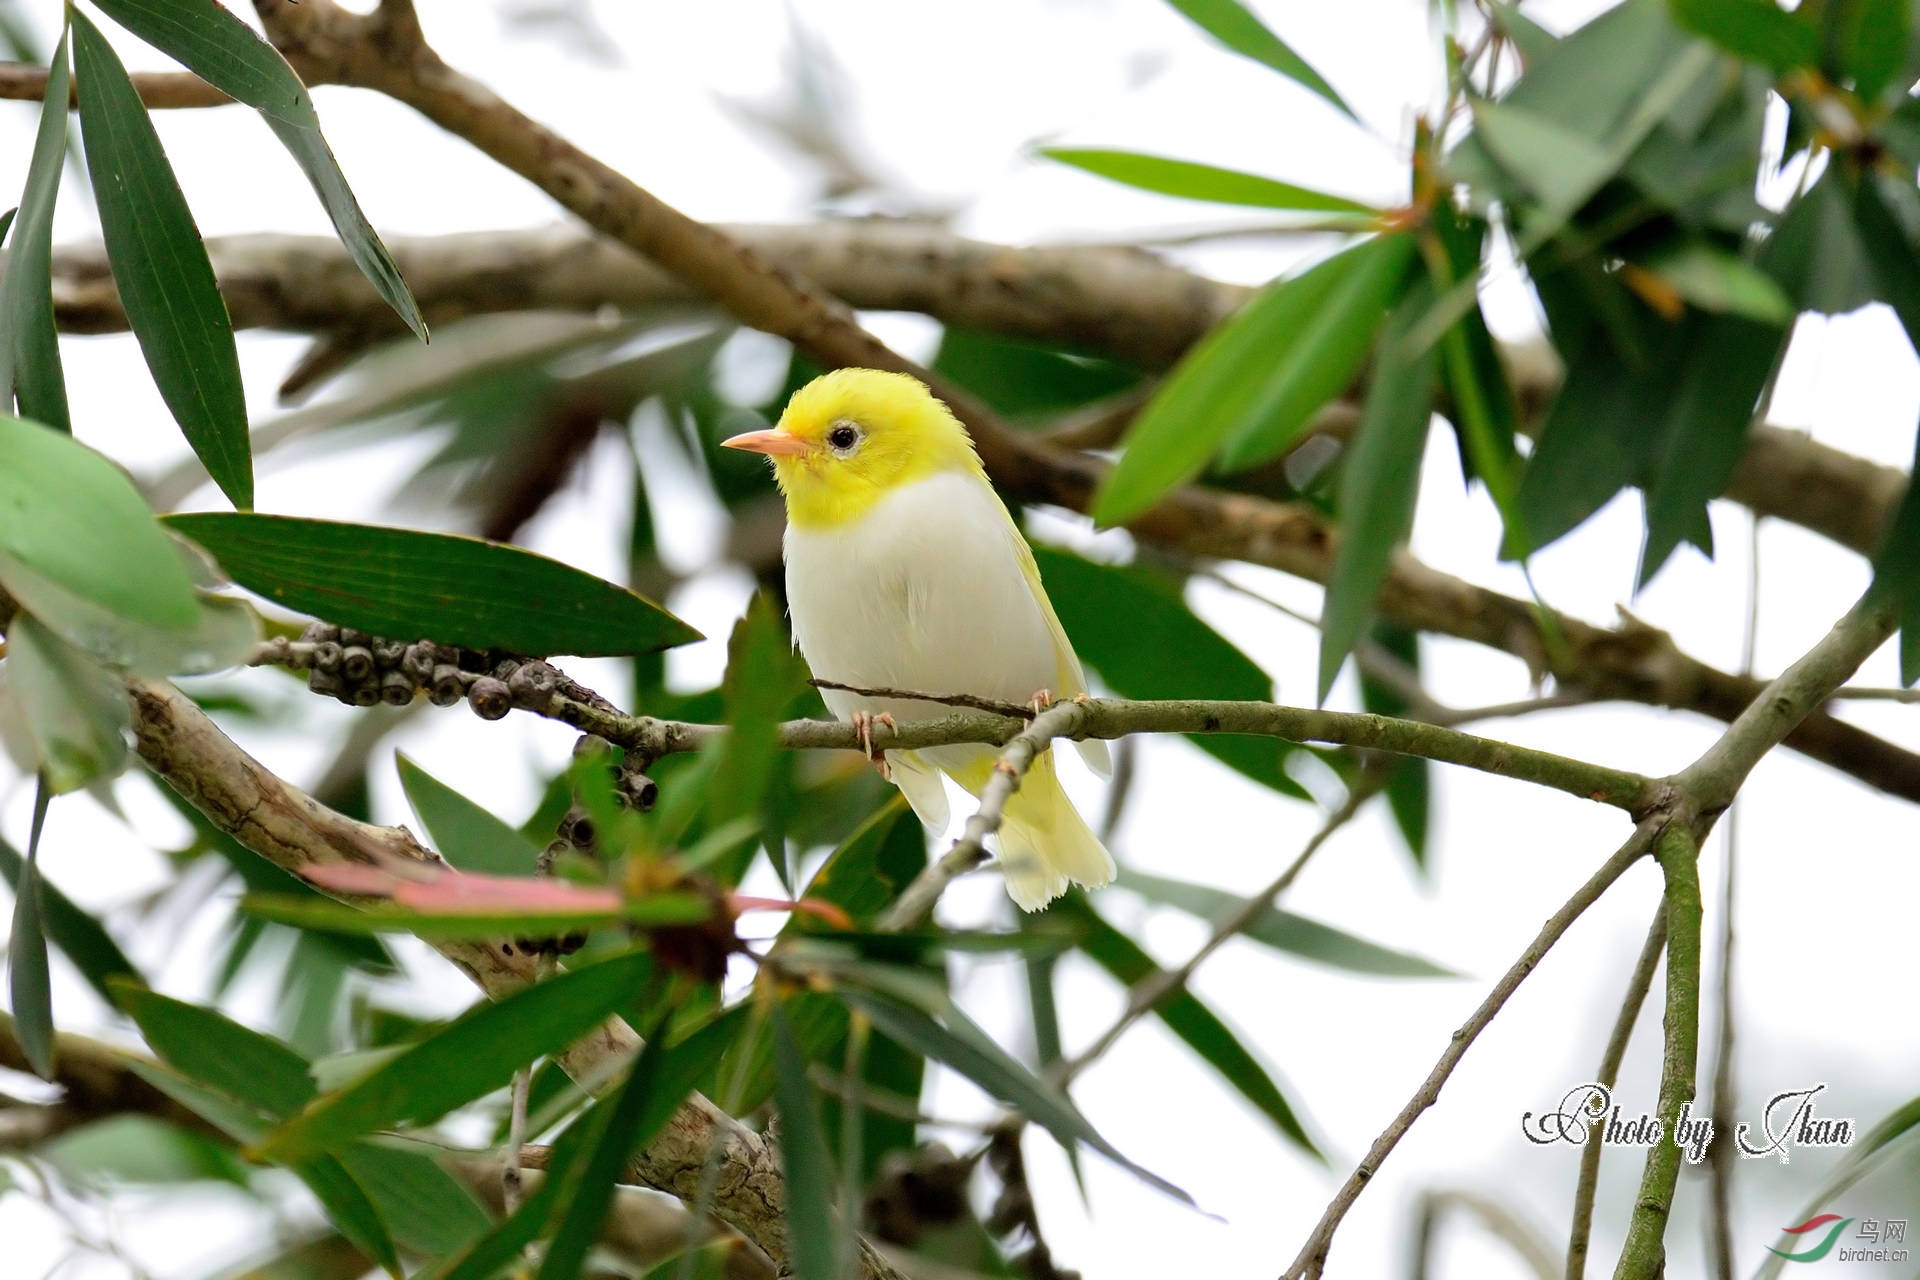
863	722
1041	700
1001	766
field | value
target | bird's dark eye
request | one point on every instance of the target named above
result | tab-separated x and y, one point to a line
843	436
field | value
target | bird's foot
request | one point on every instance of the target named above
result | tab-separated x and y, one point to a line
863	722
1001	766
1083	698
1041	700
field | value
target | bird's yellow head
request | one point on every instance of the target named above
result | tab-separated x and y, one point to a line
850	437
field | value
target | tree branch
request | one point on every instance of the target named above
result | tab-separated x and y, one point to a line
23	81
1312	1259
1645	1255
291	829
1609	1075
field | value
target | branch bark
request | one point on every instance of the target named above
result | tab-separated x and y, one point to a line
291	829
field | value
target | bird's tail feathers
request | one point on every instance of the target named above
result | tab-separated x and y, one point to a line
1045	844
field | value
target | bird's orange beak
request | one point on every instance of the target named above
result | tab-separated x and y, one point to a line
772	442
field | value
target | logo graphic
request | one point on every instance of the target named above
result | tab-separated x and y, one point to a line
1825	1246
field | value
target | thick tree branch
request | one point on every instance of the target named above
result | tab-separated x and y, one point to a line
291	829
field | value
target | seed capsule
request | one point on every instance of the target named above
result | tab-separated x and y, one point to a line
396	690
353	635
489	698
532	684
317	631
326	655
448	686
356	663
323	682
366	695
387	653
419	661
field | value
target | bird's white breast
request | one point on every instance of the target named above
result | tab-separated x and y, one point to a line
923	592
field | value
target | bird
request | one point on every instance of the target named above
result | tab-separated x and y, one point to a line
904	571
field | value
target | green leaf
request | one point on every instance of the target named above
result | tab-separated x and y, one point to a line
1867	39
350	1210
708	1262
470	838
1324	356
1729	362
1187	1017
218	1052
1022	380
472	1056
1233	25
222	635
960	1044
1557	164
72	516
1133	626
1211	392
429	1209
1716	280
226	53
637	1112
139	1149
29	344
505	1243
813	1229
160	266
1379	481
1285	931
1203	181
461	925
763	677
1756	30
78	935
29	989
406	585
1888	241
1409	787
874	864
1896	570
61	714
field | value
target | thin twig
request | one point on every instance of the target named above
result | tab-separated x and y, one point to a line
1147	994
516	1142
1499	1220
1012	710
1312	1258
1645	1254
1609	1075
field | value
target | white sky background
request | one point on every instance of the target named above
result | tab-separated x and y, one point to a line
947	100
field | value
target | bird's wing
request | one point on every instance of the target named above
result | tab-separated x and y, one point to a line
1072	677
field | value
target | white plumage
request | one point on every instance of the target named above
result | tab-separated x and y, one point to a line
933	589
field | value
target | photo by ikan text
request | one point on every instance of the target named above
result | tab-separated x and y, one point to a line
1789	1120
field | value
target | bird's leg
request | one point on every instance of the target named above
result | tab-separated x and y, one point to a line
1041	700
863	722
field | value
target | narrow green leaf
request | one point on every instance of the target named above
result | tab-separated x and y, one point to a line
1896	570
813	1228
1756	30
1409	787
350	1210
874	864
160	266
499	1248
137	1149
223	634
236	1120
6	222
474	1055
428	1209
227	53
78	935
72	516
1187	1017
1133	626
1867	40
1285	931
763	677
708	1262
1561	167
453	925
65	718
1380	479
30	371
1025	380
471	838
637	1112
1043	1004
1324	356
406	585
216	1051
1233	25
1204	181
30	990
1886	211
960	1044
1211	391
1711	278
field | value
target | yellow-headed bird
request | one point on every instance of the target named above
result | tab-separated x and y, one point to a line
904	571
